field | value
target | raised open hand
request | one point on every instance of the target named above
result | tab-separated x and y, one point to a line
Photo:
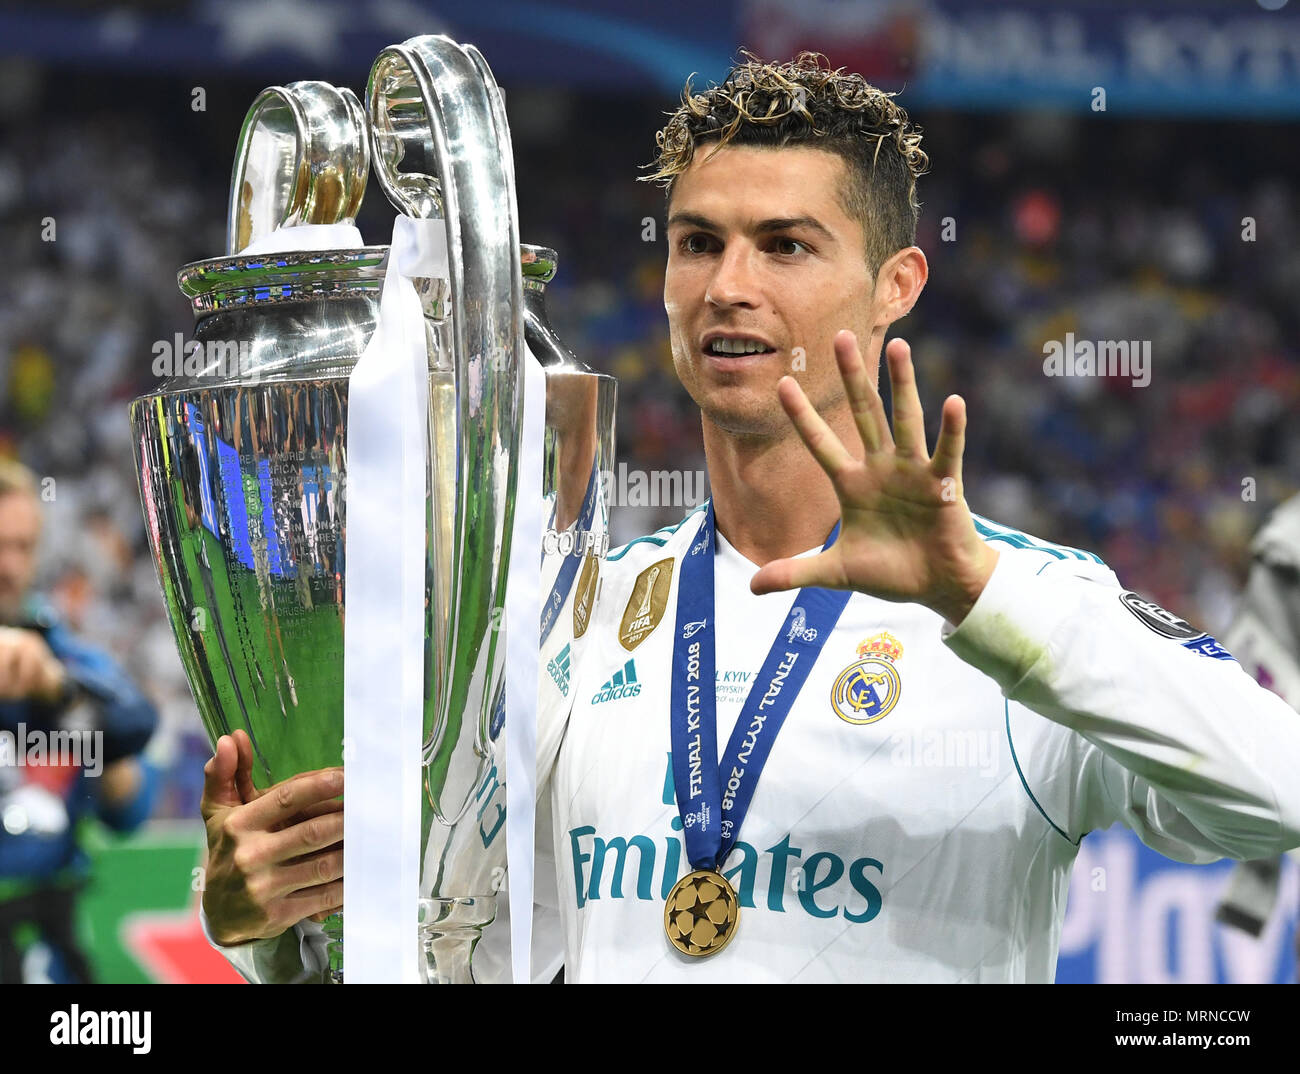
906	532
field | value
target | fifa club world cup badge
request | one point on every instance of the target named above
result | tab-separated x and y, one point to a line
645	607
868	690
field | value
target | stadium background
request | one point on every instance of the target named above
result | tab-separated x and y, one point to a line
1124	223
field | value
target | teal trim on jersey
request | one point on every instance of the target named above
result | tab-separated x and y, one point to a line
614	557
653	538
1013	538
1016	761
994	531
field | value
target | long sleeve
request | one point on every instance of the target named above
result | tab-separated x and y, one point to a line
1120	711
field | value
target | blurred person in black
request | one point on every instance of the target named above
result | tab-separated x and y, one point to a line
72	726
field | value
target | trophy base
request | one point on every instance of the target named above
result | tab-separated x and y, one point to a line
450	929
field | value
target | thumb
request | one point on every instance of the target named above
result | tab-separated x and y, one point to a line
819	570
219	790
244	767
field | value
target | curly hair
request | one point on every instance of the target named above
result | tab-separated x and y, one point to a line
804	102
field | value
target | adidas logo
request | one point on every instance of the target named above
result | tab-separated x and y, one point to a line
559	669
622	684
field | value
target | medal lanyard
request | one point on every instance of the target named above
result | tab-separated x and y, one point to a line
713	800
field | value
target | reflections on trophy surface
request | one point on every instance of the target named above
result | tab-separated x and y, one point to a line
442	151
243	472
579	447
243	478
244	481
248	491
465	856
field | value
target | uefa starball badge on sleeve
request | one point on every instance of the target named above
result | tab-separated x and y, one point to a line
254	459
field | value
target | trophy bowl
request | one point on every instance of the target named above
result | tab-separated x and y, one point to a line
242	467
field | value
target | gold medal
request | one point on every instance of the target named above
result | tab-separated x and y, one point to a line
702	913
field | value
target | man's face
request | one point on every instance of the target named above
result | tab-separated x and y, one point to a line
20	531
761	252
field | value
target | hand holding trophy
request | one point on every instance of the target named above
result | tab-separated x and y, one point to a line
274	856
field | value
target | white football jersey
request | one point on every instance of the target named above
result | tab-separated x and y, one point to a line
917	819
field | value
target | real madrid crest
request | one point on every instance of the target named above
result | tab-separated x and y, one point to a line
868	690
645	607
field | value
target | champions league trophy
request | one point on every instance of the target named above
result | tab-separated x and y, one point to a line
244	471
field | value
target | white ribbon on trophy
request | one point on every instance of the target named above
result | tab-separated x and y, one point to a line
304	237
523	662
383	634
383	714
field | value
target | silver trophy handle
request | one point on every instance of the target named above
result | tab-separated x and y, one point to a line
303	157
442	151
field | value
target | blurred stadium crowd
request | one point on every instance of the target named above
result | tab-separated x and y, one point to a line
1035	225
